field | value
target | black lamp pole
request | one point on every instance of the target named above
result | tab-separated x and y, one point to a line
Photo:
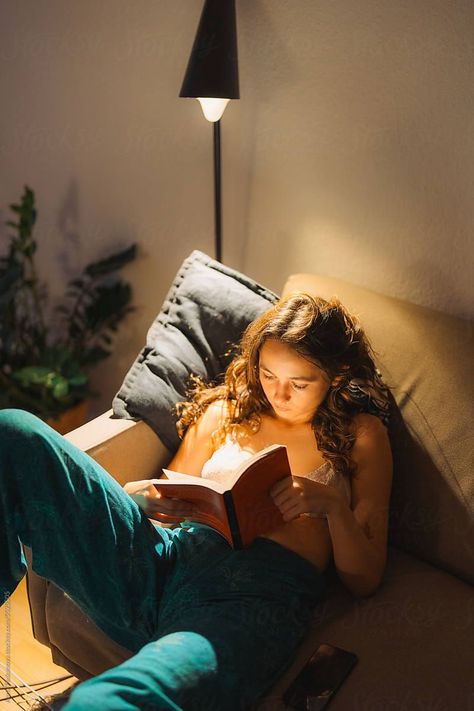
217	192
212	76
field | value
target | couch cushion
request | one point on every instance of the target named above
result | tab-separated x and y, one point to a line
426	357
414	639
205	312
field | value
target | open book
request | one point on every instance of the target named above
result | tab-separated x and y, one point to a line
240	512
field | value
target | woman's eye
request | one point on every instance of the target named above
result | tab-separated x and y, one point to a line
294	386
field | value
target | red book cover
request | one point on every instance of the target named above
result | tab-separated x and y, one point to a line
239	512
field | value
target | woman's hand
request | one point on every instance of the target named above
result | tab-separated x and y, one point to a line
161	508
298	495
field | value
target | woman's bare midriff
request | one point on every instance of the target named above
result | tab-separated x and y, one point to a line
309	537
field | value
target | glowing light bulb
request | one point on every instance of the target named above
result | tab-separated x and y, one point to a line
213	108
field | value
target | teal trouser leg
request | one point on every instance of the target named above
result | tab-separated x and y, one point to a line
177	672
86	534
211	628
230	624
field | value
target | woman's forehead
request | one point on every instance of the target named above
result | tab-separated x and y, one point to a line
274	352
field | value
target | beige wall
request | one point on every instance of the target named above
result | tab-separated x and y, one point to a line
362	149
350	152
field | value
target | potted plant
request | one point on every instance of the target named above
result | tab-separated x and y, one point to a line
45	363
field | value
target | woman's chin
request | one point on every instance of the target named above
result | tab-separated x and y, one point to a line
284	414
281	413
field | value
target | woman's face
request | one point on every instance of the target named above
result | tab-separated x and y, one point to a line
294	386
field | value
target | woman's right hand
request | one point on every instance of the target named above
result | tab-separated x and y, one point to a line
161	508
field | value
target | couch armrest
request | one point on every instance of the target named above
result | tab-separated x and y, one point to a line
128	450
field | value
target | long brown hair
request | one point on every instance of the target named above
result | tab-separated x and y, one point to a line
321	331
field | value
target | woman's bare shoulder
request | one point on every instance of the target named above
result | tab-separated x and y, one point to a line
217	413
372	445
197	444
365	424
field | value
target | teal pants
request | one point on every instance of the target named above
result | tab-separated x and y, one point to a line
210	628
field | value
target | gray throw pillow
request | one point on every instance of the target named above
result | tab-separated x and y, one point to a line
205	312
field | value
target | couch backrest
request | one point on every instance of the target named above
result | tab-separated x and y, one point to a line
427	358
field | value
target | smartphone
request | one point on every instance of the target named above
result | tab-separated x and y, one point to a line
320	678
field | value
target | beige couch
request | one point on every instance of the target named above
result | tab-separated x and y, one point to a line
415	636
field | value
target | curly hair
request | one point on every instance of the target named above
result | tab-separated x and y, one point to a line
324	333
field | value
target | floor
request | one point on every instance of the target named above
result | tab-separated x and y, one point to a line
23	659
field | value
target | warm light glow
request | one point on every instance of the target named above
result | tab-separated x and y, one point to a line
213	108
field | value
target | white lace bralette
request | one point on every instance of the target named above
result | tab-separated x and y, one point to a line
225	460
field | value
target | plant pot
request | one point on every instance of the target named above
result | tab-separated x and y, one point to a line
70	419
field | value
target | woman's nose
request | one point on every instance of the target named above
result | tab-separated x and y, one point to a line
282	393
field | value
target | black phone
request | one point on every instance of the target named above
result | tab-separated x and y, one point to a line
320	678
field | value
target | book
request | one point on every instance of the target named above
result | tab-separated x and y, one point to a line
239	512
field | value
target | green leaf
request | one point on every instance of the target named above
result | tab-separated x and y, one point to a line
30	249
33	375
108	305
78	380
43	366
60	388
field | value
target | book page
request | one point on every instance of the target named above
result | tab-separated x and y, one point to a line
208	501
197	480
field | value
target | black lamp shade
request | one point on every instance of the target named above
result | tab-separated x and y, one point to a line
212	69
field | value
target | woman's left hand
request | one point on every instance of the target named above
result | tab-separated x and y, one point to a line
298	494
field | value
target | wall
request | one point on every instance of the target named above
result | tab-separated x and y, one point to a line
92	121
350	151
362	151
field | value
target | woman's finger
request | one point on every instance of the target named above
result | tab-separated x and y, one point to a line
171	506
281	486
292	512
288	494
167	518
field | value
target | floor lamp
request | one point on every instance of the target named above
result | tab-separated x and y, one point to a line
212	77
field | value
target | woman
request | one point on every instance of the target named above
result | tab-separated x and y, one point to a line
212	627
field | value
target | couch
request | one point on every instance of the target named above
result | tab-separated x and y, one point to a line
414	637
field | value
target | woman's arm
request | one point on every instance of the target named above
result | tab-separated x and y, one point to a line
359	536
194	450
